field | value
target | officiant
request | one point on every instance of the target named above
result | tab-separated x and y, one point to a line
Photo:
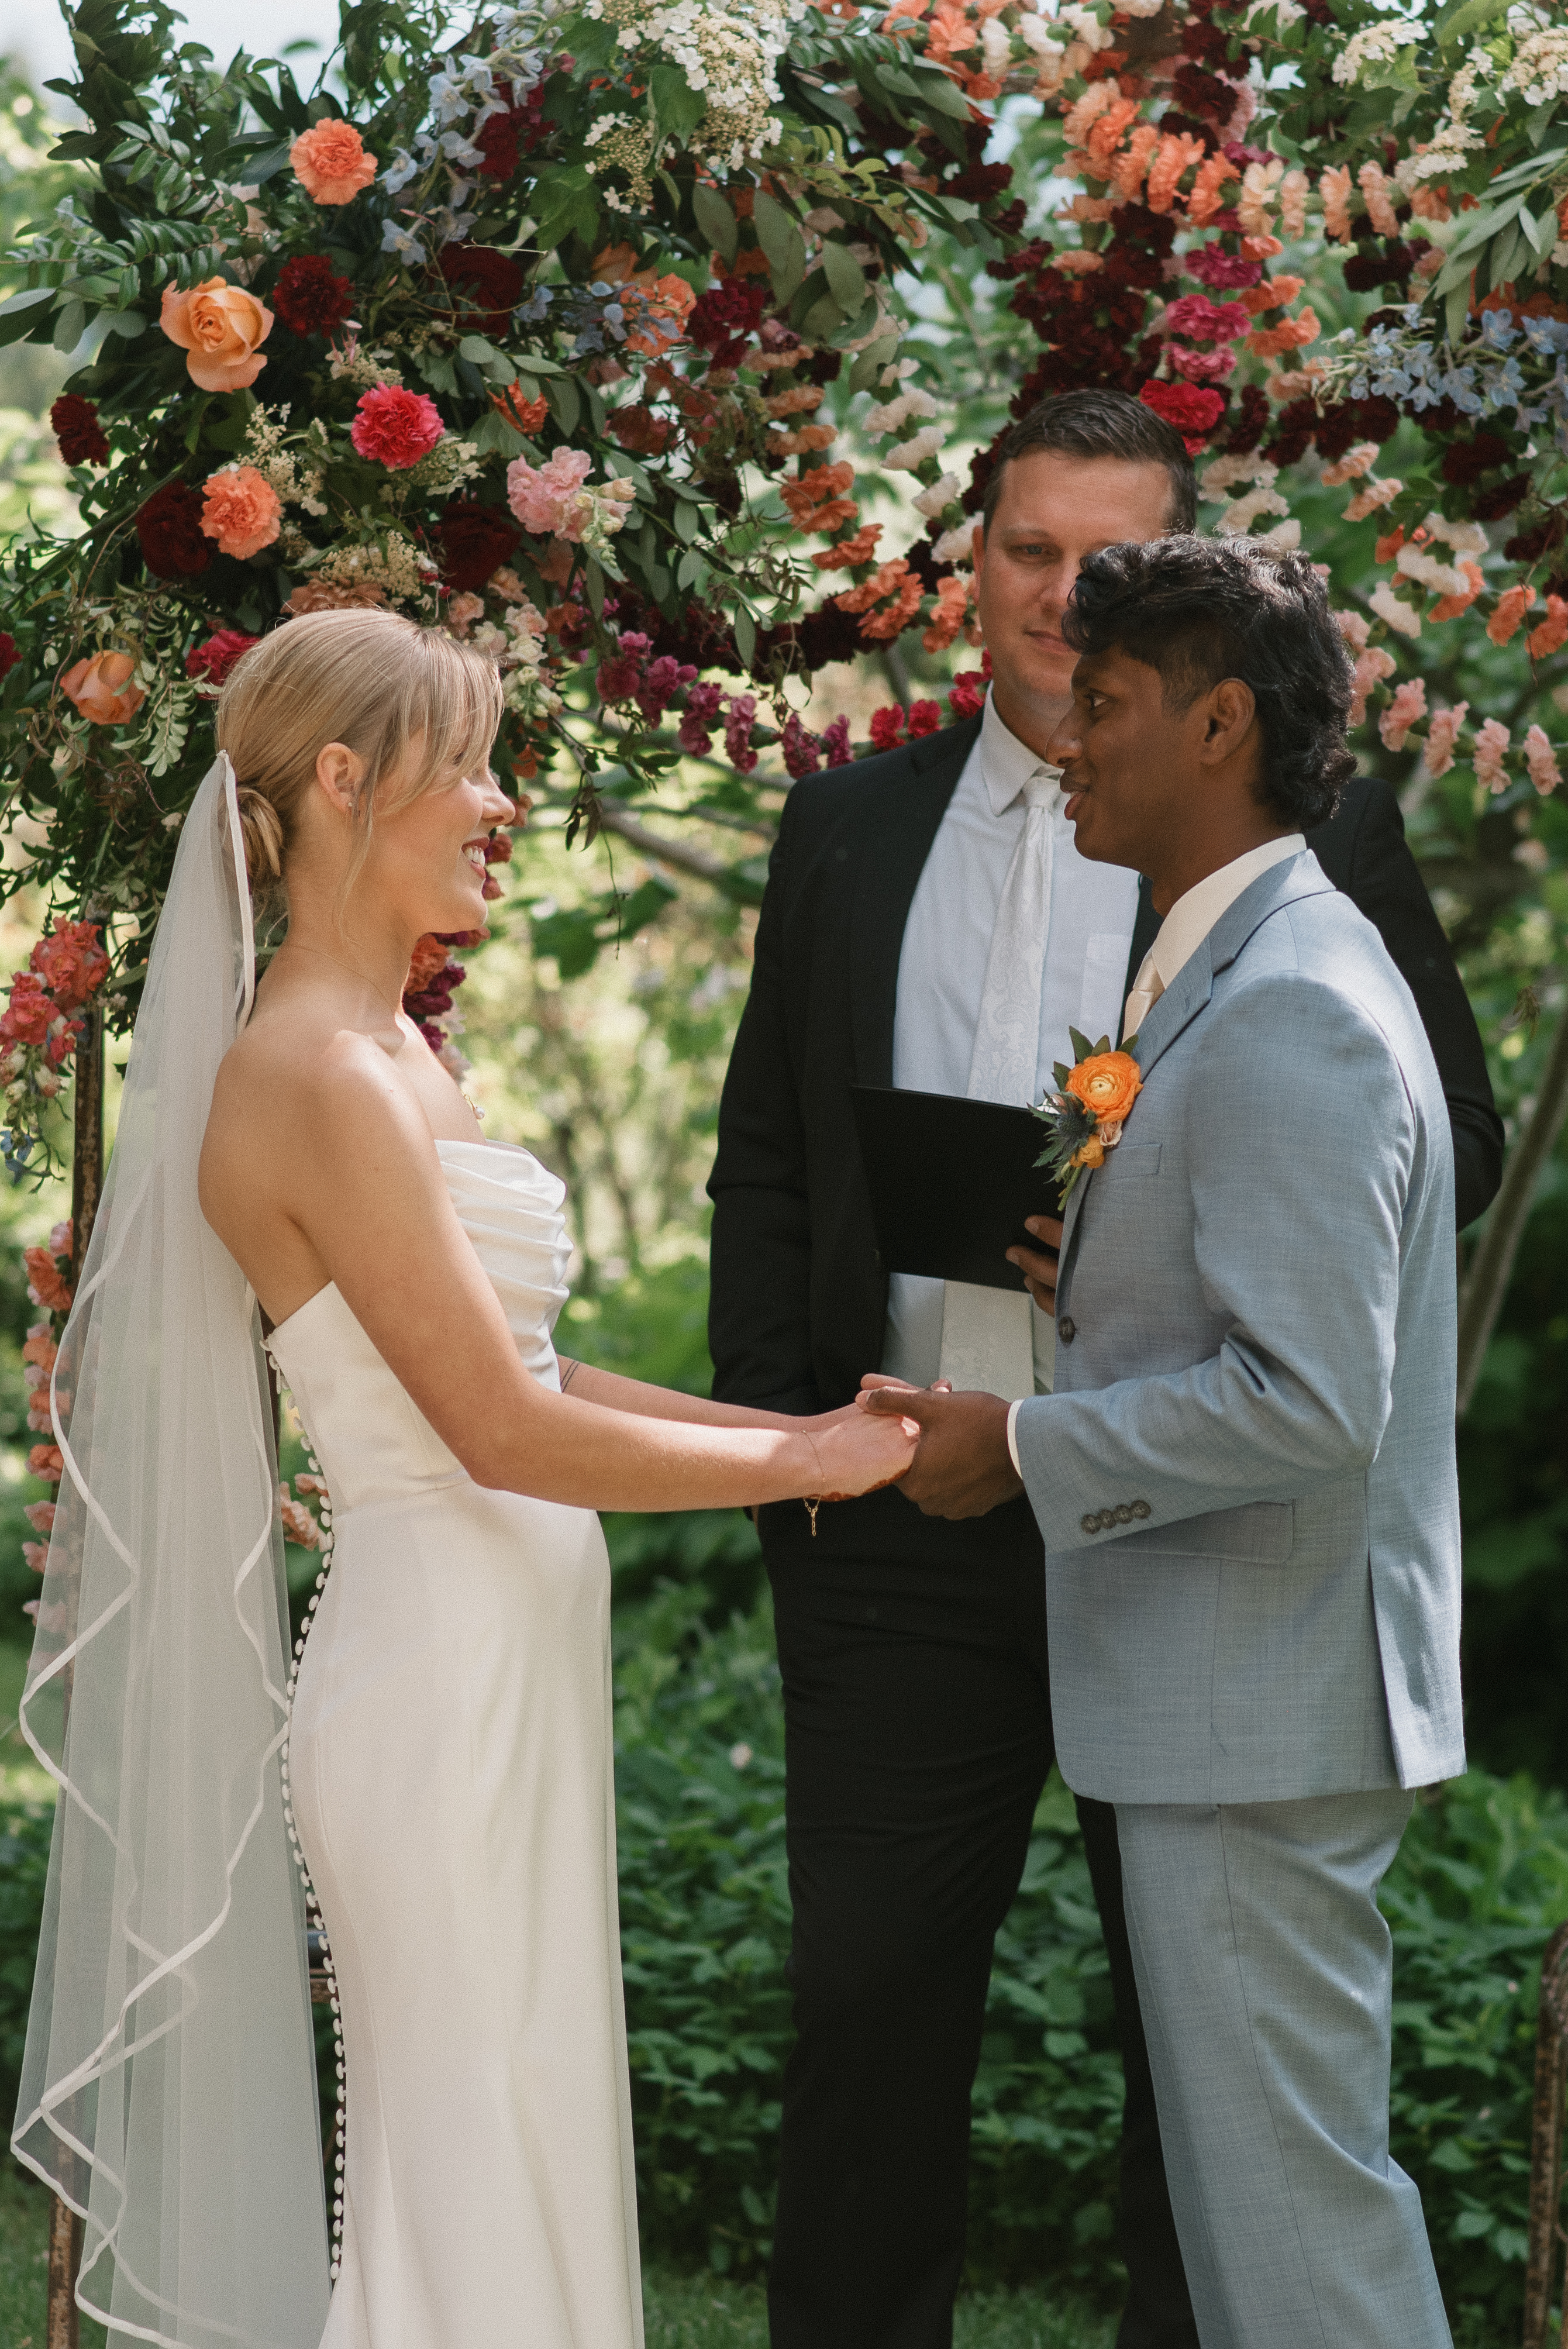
929	924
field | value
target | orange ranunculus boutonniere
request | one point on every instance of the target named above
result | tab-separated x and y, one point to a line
1085	1116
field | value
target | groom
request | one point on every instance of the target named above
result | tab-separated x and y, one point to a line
917	1710
1244	1476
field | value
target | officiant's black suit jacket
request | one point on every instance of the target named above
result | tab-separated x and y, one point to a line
799	1295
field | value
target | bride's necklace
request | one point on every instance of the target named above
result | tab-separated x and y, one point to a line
292	946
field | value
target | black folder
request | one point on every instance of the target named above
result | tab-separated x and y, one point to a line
951	1182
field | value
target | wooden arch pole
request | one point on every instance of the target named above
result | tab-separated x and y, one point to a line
86	1188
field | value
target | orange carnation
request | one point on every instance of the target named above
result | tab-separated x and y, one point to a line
241	508
102	688
44	1460
220	326
527	415
331	161
1107	1083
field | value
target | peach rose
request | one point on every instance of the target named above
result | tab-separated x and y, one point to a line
240	509
1107	1083
330	161
102	688
220	326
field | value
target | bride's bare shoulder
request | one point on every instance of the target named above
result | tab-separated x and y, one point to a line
300	1081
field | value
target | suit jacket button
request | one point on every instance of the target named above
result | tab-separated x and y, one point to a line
1141	1509
1066	1328
1089	1524
1124	1513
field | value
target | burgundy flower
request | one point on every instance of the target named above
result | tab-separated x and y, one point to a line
704	706
489	285
169	525
75	424
216	657
1212	267
475	540
1465	460
836	744
499	139
724	319
800	748
9	656
621	673
310	297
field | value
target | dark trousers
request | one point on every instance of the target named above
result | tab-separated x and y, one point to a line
918	1739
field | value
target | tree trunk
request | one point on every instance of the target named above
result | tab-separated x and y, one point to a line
1488	1283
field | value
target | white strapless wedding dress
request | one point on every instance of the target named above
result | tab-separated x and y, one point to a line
453	1786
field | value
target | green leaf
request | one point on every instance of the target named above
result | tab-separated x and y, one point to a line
70	327
678	107
475	348
714	219
1534	231
566	404
745	634
1455	23
691	571
846	278
28	300
774	227
943	96
438	371
594	579
823	320
688	522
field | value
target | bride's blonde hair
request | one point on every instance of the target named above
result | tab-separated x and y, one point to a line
413	702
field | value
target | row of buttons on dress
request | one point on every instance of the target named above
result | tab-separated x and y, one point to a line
1102	1521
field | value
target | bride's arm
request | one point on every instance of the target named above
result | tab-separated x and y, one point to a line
339	1151
589	1383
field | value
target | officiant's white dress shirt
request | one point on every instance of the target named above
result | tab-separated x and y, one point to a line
942	979
1179	936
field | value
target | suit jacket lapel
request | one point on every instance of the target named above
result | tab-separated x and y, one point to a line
901	822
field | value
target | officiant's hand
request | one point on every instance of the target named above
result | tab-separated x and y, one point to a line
963	1468
1039	1270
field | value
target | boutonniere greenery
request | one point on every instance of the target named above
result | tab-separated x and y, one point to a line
1084	1117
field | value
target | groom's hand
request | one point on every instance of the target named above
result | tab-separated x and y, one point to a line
962	1467
1039	1267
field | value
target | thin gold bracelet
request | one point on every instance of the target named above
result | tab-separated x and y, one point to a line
813	1501
569	1370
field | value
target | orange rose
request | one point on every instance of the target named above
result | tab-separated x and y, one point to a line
331	162
1107	1083
220	326
240	509
101	689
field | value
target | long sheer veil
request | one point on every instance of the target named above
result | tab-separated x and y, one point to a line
169	2085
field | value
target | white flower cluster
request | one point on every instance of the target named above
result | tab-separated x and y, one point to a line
1225	474
1540	67
296	480
1065	42
395	565
727	49
1455	136
1375	45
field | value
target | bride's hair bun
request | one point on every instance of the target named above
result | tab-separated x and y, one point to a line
262	830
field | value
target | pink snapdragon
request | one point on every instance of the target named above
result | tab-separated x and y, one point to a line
1443	733
1490	750
1542	762
546	498
1408	704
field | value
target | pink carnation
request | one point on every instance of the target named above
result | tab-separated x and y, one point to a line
1372	666
1199	320
703	708
1542	761
1408	704
1490	750
394	427
1442	731
737	733
1201	367
835	742
1211	265
544	497
800	748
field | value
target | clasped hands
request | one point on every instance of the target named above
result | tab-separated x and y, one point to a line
962	1467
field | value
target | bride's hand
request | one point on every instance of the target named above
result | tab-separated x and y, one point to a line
844	1465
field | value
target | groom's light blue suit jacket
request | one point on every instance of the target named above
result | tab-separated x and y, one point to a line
1245	1477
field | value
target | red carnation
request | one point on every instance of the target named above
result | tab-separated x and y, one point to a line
1192	407
967	695
475	540
170	528
486	283
394	427
498	140
723	320
310	297
887	729
214	659
75	424
9	656
924	717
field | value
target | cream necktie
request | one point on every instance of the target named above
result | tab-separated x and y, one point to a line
1147	989
987	1334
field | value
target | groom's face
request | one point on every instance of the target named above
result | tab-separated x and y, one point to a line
1126	761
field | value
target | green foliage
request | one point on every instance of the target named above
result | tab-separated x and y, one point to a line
25	1832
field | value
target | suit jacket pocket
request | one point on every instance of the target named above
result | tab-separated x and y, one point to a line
1260	1533
1135	1158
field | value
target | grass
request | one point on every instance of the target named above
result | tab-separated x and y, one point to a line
683	2312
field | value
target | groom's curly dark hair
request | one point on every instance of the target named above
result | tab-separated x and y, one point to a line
1200	609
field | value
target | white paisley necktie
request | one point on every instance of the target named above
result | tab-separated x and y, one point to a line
987	1334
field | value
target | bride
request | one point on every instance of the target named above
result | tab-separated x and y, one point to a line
443	1775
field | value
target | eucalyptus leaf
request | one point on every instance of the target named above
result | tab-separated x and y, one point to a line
71	325
745	634
714	219
566	404
1534	230
688	522
28	300
846	278
774	228
823	319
